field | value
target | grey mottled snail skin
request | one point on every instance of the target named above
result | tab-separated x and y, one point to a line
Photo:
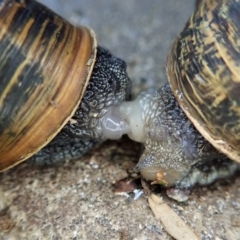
175	153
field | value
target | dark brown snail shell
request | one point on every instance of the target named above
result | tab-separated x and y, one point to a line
45	65
203	71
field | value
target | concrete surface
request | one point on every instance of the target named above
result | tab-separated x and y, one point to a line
76	200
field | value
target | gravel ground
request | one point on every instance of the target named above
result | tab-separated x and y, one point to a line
76	200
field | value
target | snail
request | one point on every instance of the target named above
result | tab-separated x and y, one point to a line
57	86
61	93
190	127
193	130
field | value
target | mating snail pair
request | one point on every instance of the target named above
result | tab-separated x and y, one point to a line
61	93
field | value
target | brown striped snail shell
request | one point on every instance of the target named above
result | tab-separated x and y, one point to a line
45	69
50	100
203	71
